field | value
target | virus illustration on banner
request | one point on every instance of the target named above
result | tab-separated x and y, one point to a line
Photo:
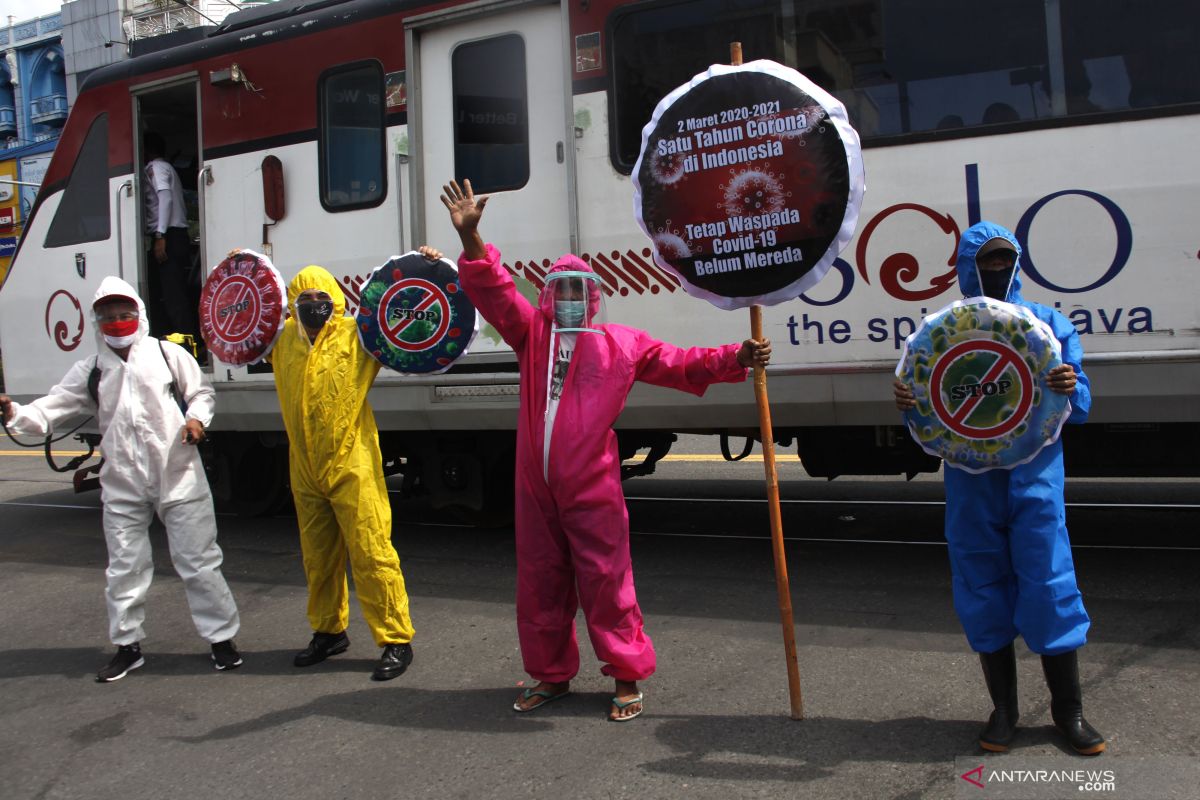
814	116
667	168
977	368
242	308
671	242
753	191
413	316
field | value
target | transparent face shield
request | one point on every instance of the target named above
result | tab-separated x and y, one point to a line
578	301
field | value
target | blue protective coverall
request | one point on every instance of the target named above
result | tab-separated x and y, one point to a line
1006	528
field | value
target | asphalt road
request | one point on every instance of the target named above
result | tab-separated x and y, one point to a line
892	694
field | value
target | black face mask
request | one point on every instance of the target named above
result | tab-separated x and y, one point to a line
314	315
995	284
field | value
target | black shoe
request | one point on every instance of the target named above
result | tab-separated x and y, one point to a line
393	662
1066	703
225	655
322	646
1000	673
129	656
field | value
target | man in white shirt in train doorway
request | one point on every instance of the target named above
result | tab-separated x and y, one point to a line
169	259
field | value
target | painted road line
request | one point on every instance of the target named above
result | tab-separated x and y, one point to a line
766	537
83	508
854	502
49	505
42	454
698	458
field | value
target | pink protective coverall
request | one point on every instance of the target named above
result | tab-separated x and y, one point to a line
572	528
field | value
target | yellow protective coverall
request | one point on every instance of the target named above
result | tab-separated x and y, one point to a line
336	470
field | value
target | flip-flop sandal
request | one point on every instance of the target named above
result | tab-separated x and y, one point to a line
625	704
547	697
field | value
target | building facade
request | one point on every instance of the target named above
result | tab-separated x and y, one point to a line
33	109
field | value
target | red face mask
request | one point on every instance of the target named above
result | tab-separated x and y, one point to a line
119	327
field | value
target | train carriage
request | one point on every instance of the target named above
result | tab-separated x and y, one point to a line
1048	117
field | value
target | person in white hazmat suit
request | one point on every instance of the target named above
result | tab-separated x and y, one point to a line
150	465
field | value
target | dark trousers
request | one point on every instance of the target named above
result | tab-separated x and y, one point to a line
169	284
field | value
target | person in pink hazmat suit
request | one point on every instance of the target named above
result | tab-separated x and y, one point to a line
572	528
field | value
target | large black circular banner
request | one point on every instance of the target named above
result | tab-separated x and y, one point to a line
414	317
749	183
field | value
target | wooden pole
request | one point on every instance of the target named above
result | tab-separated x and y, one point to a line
781	575
768	445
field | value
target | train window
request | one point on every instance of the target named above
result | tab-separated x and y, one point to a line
352	139
903	68
658	48
491	113
1119	55
899	68
83	212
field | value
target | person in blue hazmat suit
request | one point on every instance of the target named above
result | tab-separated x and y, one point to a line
1009	552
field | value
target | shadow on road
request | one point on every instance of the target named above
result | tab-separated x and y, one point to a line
775	748
469	710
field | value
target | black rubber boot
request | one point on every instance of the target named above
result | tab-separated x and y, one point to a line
1000	672
1066	703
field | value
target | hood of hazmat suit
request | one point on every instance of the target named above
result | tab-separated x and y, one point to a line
323	386
1009	552
979	235
336	468
138	419
571	280
572	526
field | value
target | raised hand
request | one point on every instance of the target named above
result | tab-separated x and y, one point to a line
465	210
464	207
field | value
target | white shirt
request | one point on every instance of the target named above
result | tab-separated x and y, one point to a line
164	198
558	376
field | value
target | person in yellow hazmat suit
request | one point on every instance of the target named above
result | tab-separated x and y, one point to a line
322	376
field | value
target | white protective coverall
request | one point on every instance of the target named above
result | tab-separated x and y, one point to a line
147	469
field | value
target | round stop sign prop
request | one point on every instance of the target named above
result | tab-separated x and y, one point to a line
978	370
748	183
414	317
242	308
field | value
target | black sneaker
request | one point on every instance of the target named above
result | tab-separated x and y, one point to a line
225	655
129	656
322	646
393	662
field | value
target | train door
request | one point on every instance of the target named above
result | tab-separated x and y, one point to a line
166	122
489	103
